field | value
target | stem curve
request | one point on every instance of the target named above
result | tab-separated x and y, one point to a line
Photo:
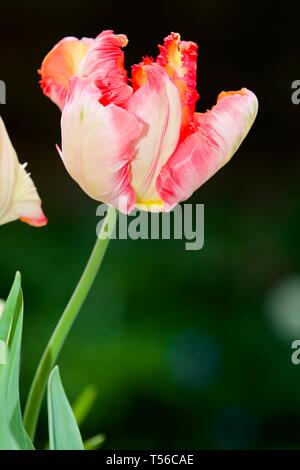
63	327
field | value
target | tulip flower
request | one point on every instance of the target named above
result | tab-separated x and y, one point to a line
139	140
18	196
143	142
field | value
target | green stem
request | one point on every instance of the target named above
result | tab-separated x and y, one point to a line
65	323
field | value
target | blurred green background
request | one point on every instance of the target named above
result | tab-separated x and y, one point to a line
187	349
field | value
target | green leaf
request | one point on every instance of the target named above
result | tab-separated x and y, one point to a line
13	394
94	442
12	305
3	353
84	403
7	441
64	433
11	324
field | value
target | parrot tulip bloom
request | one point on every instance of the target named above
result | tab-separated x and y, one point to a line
18	196
143	143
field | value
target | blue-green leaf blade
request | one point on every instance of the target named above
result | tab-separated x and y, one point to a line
11	305
64	433
11	324
13	394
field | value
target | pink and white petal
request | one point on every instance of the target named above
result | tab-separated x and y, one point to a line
156	105
26	203
18	196
104	64
98	144
60	64
179	59
138	74
221	131
8	161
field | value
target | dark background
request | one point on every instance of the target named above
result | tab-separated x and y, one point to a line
186	349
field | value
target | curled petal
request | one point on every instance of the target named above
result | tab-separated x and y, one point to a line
179	59
60	64
104	64
98	144
18	196
221	131
157	106
138	72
